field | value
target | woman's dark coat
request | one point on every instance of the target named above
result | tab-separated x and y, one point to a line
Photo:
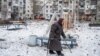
55	37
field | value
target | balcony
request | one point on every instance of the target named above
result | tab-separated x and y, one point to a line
93	6
9	9
93	11
93	2
81	10
16	5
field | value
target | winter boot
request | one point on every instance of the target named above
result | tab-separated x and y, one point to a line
61	55
51	52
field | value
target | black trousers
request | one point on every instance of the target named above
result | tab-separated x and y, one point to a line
58	52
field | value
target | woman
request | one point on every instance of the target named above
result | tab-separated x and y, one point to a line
54	43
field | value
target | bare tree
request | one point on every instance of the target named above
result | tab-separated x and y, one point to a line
4	11
36	7
98	9
0	5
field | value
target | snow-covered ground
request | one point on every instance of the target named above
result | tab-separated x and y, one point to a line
15	43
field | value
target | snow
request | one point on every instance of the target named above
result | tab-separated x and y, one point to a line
15	43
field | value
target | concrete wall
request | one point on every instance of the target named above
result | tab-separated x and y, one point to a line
6	10
29	9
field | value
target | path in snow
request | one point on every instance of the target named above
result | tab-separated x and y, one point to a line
15	43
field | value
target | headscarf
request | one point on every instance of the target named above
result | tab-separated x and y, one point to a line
60	21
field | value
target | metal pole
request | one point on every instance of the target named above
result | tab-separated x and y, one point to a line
48	47
68	47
